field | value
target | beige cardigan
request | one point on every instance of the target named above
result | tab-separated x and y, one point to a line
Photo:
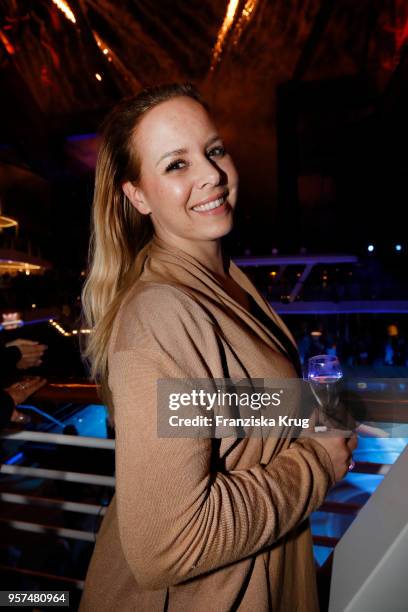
192	528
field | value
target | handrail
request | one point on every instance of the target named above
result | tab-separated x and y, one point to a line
95	479
75	392
52	438
76	534
377	408
27	572
360	467
48	502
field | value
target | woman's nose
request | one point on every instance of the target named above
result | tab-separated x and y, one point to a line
208	173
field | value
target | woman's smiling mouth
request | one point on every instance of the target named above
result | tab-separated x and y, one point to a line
215	206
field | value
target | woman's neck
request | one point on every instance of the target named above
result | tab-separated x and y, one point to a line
208	252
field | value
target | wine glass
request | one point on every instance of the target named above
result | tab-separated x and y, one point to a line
323	374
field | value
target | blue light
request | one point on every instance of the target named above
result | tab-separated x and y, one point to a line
398	247
78	137
14	459
370	248
355	487
43	414
33	322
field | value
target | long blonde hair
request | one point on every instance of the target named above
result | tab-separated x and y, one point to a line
118	230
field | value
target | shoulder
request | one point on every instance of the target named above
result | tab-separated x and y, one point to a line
150	301
157	310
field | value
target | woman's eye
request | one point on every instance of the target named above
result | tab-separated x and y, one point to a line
175	165
217	151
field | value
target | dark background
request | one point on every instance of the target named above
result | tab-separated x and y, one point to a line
310	96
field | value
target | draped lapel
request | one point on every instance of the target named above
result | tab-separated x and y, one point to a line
161	262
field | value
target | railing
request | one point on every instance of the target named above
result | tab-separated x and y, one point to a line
109	481
85	392
38	504
377	409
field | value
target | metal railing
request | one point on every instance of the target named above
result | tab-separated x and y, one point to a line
85	392
45	502
109	481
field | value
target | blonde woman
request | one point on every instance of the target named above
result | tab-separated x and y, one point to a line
195	524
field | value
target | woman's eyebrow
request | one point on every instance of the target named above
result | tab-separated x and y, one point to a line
182	151
170	153
212	139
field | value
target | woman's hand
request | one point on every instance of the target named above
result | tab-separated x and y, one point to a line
20	391
340	450
31	353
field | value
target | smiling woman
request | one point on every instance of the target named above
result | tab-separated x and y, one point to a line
190	191
160	158
196	524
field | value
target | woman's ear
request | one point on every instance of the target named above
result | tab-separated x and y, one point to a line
135	196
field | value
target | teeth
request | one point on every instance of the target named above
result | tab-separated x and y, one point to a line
210	205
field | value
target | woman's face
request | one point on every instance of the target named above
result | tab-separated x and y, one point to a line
188	182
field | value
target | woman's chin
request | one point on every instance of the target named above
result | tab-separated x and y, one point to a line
220	231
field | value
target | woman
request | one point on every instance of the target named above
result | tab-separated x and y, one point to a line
195	524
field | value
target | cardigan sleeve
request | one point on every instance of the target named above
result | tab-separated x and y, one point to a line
177	519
